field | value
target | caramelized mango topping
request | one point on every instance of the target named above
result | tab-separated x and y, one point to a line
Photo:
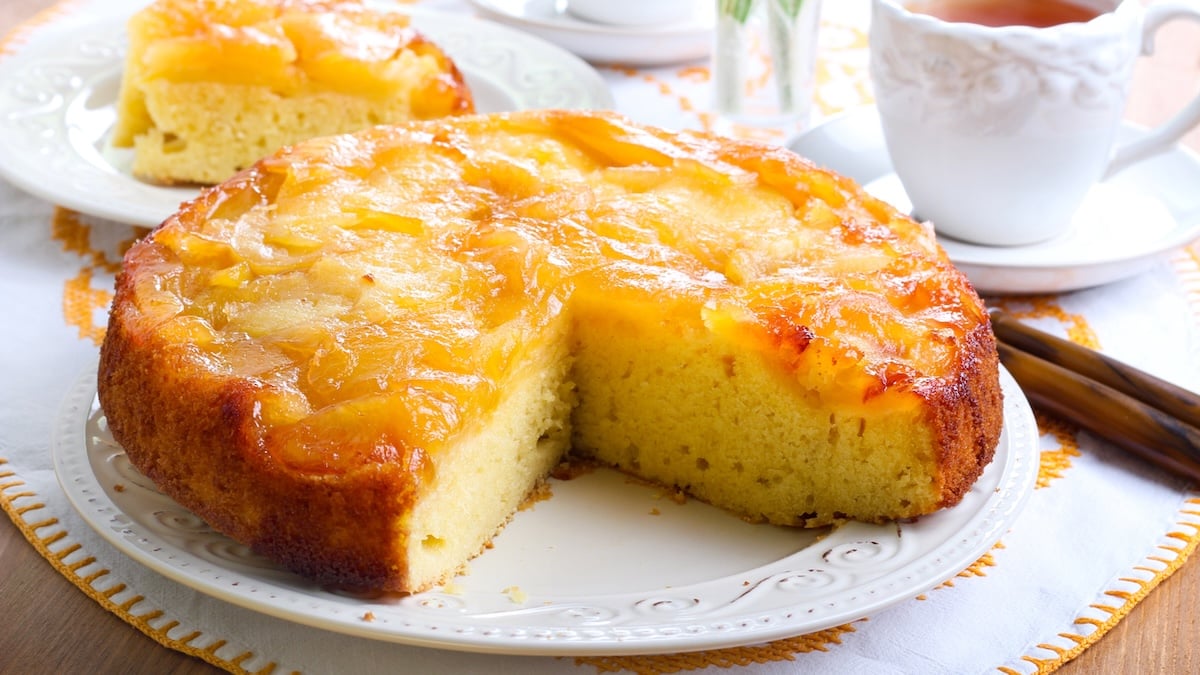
289	46
421	261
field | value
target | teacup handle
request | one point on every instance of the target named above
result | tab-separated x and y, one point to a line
1165	135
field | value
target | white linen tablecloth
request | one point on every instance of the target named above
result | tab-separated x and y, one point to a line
1100	531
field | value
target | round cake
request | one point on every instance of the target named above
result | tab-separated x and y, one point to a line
360	355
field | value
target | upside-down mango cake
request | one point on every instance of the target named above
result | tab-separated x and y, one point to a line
360	355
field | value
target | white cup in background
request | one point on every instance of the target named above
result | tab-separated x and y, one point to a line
998	133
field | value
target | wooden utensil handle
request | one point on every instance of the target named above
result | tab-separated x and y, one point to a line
1125	421
1147	388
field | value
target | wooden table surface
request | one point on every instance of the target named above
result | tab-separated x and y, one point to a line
51	626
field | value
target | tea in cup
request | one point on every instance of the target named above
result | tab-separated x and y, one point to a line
1000	115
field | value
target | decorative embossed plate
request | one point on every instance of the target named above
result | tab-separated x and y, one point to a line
58	93
604	566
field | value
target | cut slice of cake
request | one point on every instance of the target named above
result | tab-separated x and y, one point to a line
360	355
211	86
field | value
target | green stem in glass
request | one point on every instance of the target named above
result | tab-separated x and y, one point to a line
791	8
738	9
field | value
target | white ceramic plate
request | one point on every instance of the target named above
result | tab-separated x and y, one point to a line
621	45
1123	227
58	93
604	566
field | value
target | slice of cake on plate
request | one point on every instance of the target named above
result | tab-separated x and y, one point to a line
211	86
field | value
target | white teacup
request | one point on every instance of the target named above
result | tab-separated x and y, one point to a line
998	133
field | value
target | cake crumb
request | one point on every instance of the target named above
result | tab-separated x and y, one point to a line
573	467
452	589
368	617
119	487
516	595
540	493
677	496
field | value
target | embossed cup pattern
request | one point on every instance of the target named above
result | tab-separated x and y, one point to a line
997	134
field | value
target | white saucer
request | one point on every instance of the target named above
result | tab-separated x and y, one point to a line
1123	227
620	45
58	93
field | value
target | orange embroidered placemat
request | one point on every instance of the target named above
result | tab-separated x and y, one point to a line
1099	533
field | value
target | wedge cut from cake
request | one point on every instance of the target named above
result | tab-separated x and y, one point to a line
360	355
211	86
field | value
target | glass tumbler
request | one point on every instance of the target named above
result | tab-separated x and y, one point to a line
764	63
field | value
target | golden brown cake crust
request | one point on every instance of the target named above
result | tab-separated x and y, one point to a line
874	319
968	416
202	450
